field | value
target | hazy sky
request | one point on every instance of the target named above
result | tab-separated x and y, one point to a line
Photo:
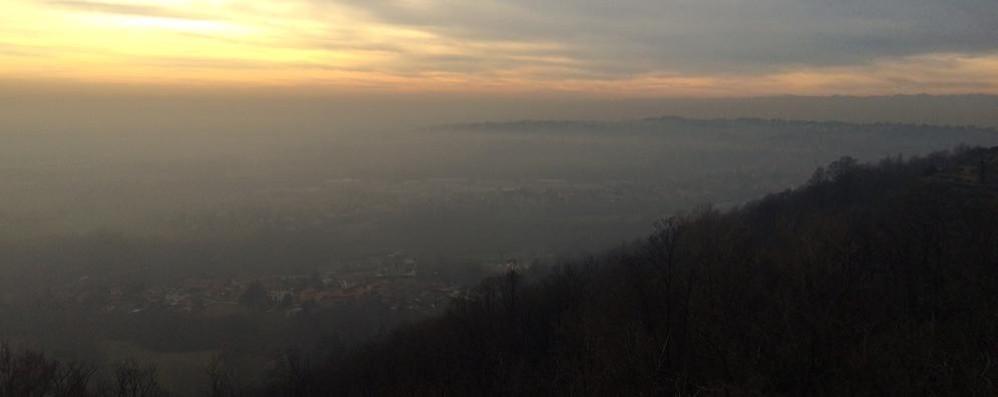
600	47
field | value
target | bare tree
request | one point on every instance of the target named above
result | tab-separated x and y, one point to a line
28	373
292	374
222	377
133	380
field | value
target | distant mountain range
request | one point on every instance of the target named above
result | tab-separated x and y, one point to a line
678	121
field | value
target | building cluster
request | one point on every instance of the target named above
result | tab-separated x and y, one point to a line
398	288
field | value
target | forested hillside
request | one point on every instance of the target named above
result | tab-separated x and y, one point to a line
870	279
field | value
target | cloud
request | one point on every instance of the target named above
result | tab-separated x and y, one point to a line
127	9
619	47
625	37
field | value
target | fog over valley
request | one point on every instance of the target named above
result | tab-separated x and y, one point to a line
323	226
465	188
303	198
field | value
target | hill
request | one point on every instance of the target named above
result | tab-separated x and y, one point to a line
870	279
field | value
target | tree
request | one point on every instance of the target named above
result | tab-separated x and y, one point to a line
818	177
222	376
27	373
842	167
134	380
292	375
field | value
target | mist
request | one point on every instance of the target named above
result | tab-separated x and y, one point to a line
126	211
307	198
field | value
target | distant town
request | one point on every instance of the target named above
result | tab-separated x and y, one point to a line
397	284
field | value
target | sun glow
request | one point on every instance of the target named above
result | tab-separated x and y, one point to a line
301	42
174	24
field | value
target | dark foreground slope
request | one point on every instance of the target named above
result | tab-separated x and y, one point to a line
871	279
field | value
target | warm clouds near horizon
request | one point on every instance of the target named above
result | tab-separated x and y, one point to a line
615	48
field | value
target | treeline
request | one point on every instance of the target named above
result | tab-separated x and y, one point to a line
25	373
871	279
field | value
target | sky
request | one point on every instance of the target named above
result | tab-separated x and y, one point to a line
621	48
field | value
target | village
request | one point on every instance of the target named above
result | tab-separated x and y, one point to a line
397	285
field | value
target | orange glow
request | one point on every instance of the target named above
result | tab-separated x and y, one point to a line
289	43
